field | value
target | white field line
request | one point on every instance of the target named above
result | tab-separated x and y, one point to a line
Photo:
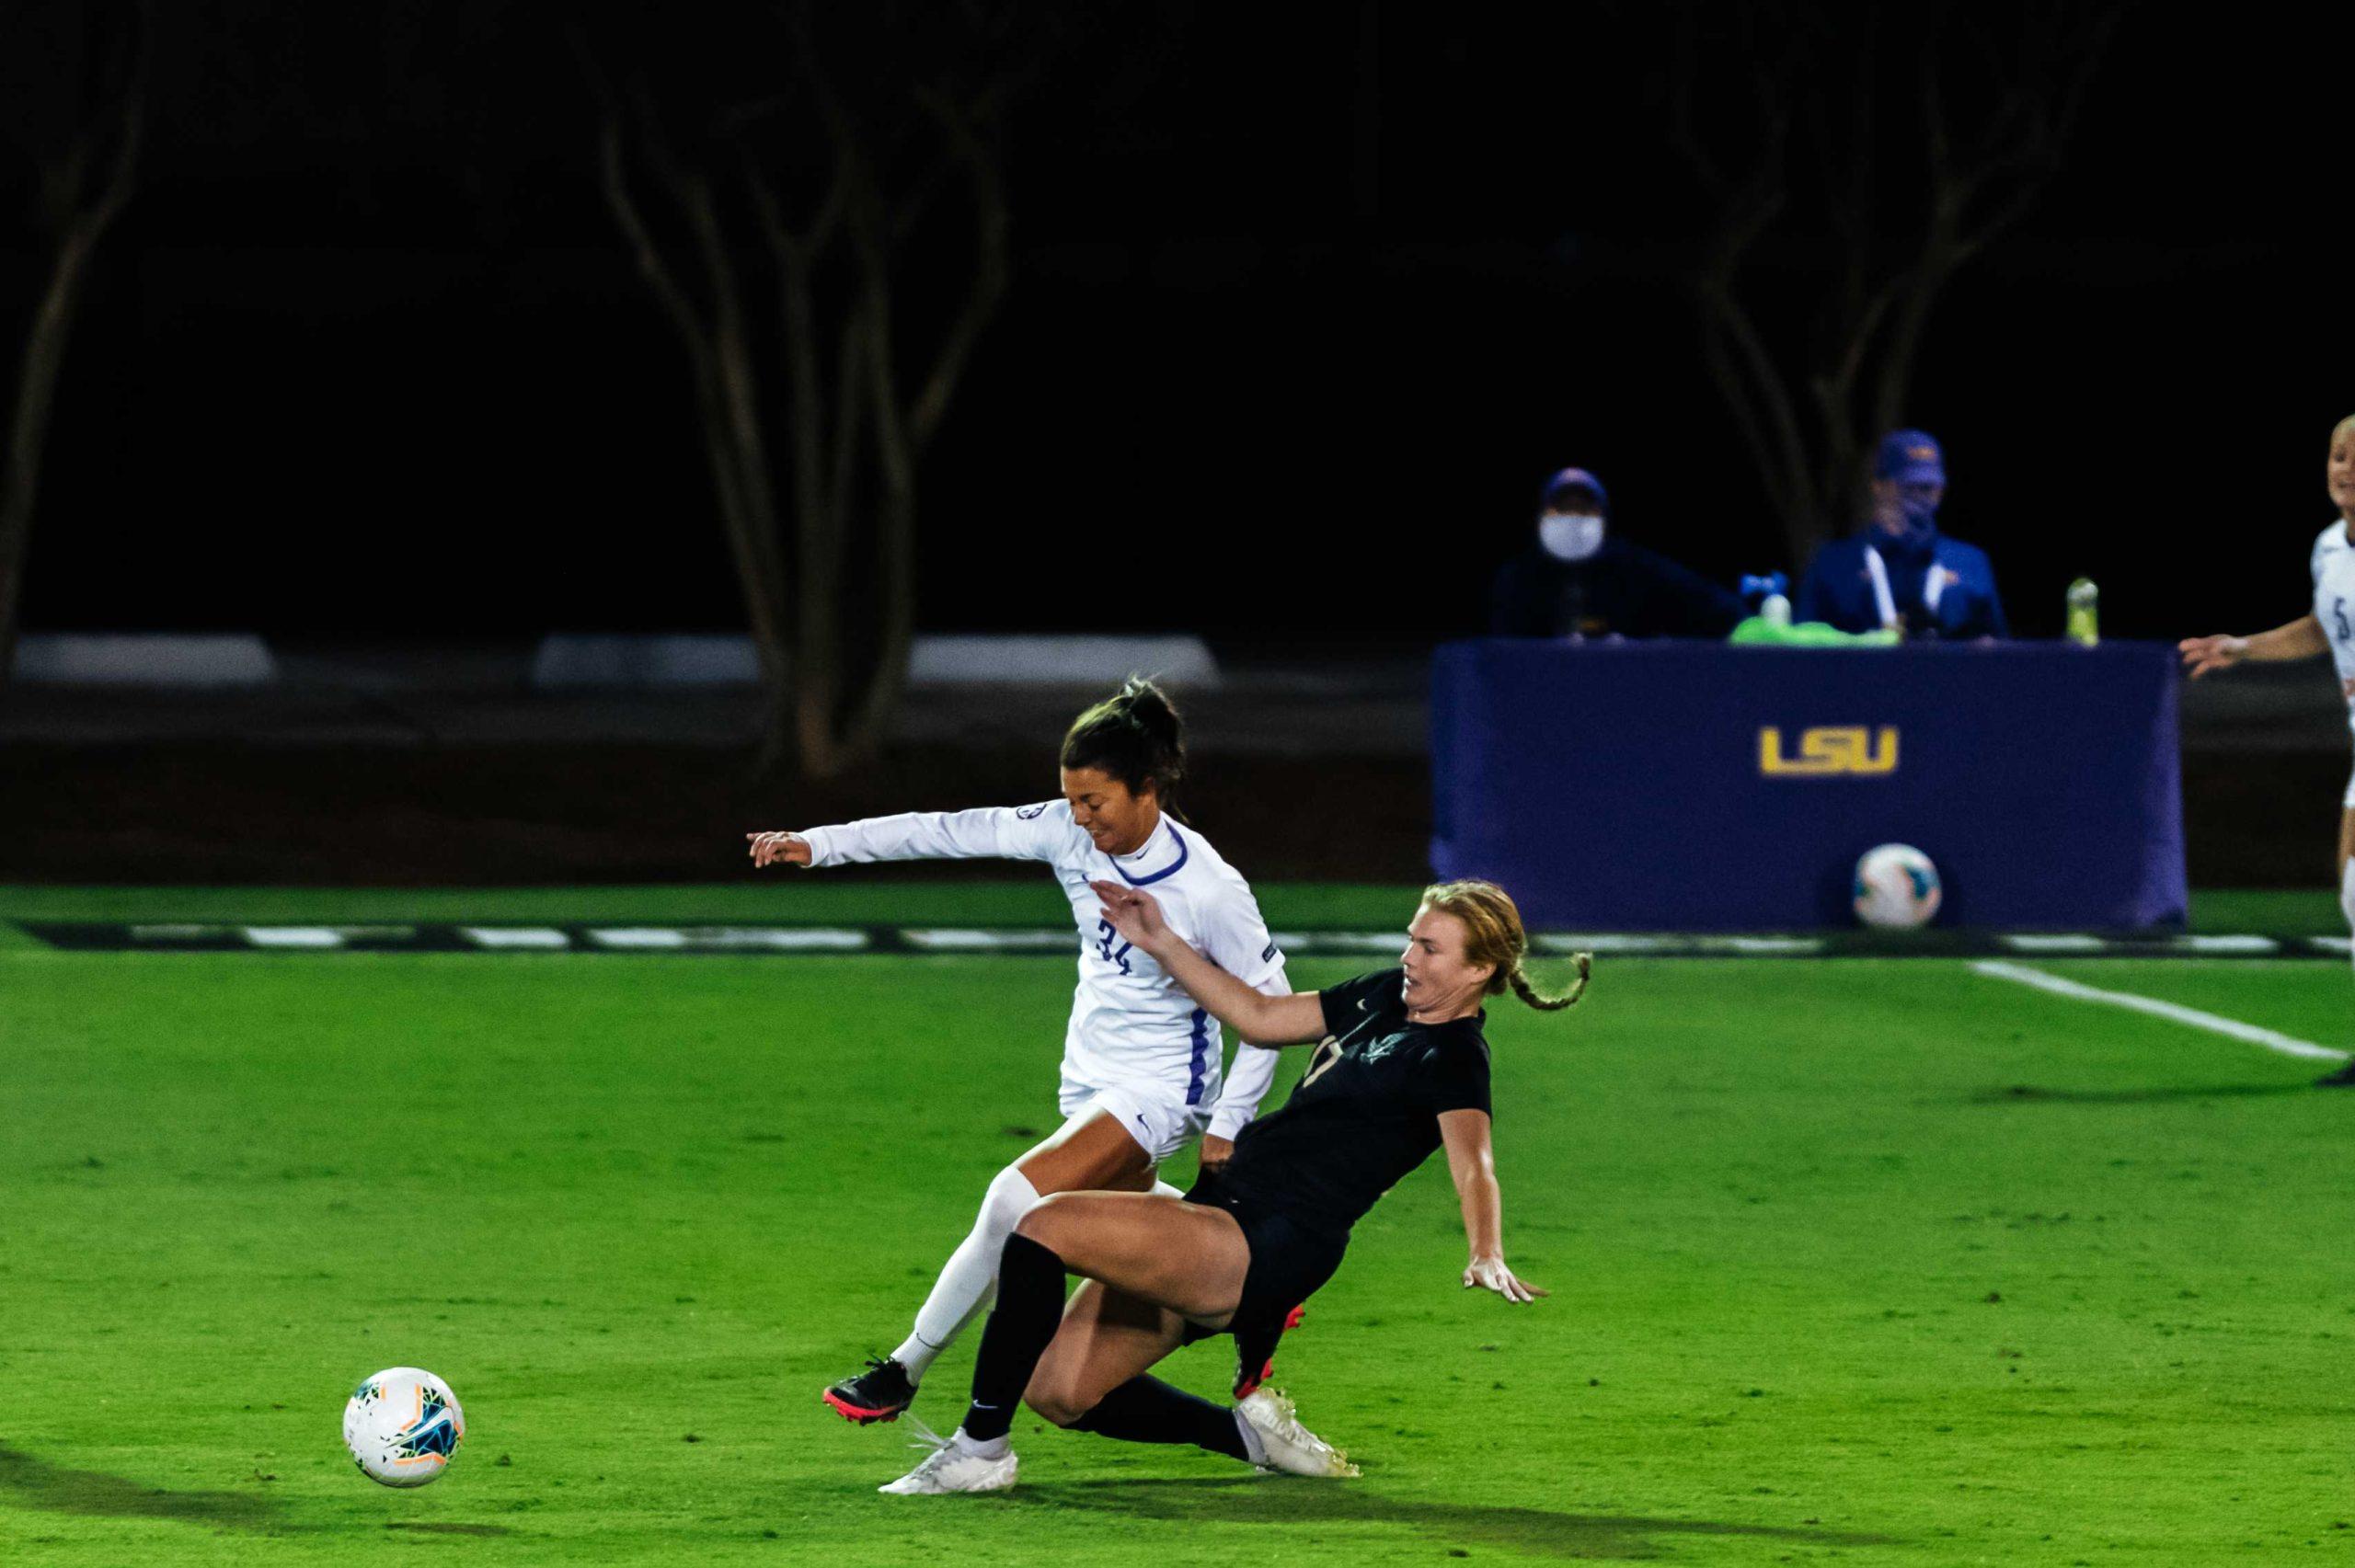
961	939
723	938
500	938
2211	1022
294	936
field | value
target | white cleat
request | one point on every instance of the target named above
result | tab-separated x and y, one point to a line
1289	1446
955	1466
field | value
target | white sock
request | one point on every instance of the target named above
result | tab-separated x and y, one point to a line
1252	1443
994	1448
1163	1189
2347	897
970	1278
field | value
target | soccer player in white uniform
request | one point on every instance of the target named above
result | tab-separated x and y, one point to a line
2328	627
1140	1069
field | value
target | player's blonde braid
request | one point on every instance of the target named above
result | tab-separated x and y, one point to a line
1519	979
1494	935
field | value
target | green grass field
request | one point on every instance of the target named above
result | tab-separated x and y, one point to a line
1890	1261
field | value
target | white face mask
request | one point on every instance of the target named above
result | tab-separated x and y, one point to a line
1570	538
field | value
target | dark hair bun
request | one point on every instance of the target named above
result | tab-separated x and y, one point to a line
1135	735
1150	706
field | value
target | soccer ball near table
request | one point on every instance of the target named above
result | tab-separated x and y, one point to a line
1896	887
402	1426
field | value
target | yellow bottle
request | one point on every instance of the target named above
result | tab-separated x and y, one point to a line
2084	614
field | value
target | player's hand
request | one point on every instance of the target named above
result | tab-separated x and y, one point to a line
774	849
1490	1274
1134	913
1214	1152
2201	655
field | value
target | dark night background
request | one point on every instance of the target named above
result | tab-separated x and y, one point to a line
1306	301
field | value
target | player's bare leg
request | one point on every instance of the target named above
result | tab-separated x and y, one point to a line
1183	1257
1161	1255
1106	1338
1154	1260
1188	1257
1095	1378
1092	1151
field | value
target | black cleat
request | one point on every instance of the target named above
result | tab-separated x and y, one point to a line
2342	1079
879	1393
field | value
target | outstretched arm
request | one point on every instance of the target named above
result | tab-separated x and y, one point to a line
2300	638
1261	1020
1472	1163
985	832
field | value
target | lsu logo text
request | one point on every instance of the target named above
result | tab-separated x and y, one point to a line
1827	751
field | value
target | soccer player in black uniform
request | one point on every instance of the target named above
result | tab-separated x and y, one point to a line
1401	1070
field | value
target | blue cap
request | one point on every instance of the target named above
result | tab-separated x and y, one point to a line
1910	457
1576	479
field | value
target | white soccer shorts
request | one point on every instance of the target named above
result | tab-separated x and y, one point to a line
1161	1124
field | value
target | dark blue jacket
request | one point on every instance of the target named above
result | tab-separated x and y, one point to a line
1621	590
1838	587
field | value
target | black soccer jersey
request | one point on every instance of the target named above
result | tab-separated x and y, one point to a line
1365	1113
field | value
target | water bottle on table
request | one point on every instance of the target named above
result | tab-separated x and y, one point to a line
2084	614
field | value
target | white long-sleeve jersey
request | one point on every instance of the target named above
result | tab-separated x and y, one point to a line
2332	566
1131	1025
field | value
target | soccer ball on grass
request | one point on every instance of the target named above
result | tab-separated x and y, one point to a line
402	1426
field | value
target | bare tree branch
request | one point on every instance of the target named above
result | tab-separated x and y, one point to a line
992	271
747	513
78	217
1807	409
817	453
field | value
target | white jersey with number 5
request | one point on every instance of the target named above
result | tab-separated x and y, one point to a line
2334	572
1131	1025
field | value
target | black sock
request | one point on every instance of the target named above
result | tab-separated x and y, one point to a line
1029	1309
1146	1410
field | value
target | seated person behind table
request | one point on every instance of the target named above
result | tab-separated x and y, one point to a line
1899	570
1577	580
